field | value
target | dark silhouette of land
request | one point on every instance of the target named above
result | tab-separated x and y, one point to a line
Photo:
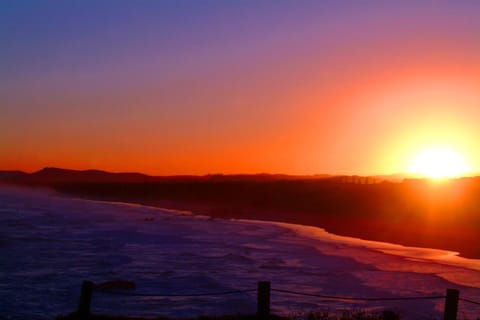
414	212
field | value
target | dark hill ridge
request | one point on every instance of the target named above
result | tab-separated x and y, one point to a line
6	174
51	174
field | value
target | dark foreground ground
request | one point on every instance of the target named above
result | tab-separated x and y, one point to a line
347	315
443	215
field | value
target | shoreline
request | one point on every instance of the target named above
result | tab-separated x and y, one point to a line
254	214
330	225
387	224
432	255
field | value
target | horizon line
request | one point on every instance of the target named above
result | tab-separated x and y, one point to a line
393	175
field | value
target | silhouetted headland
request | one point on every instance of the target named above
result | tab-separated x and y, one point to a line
413	212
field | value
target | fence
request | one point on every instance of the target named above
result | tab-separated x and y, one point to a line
264	289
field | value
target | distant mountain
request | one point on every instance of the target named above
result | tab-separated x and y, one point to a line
59	175
52	175
262	177
12	175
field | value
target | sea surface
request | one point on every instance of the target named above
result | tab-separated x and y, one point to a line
49	244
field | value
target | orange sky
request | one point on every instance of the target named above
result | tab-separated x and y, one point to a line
238	87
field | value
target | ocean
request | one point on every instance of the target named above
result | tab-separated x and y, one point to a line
49	244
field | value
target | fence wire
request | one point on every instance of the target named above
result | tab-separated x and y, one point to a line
203	294
470	301
356	298
292	292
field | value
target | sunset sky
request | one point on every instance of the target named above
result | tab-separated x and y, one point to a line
203	86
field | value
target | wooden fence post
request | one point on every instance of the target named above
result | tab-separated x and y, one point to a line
263	299
85	299
451	304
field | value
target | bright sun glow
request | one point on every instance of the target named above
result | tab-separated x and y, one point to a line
439	163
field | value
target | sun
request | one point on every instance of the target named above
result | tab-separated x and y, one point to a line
439	163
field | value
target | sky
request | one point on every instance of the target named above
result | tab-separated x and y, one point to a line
204	86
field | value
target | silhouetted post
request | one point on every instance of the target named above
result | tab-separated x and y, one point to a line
85	299
263	299
451	304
